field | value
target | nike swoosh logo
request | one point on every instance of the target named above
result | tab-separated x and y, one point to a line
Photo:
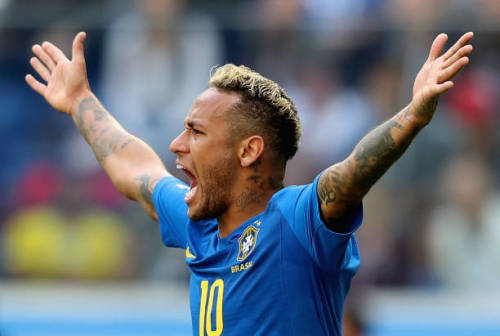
189	254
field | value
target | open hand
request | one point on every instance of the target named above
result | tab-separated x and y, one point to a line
435	76
66	79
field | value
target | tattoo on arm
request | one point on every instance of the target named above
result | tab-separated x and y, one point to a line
375	154
342	186
100	130
333	190
427	109
329	186
146	188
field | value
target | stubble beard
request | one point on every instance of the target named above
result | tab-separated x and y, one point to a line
216	190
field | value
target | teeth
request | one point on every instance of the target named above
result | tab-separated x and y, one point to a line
190	193
179	166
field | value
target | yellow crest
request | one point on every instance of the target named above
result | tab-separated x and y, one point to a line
247	241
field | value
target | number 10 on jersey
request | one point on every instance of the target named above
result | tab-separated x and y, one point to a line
207	308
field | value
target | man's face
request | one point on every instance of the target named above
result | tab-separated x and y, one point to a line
207	155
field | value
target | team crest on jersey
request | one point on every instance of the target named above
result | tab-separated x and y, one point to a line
247	240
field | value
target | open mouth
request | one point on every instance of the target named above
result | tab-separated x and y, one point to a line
193	184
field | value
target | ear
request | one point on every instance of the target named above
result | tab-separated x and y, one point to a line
250	149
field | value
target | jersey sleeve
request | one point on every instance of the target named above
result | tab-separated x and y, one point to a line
331	250
168	198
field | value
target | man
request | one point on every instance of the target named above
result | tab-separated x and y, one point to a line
264	259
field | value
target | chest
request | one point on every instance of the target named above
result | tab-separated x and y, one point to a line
228	276
253	246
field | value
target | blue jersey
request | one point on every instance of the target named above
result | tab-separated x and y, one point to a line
282	272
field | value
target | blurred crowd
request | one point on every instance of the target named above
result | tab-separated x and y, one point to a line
432	221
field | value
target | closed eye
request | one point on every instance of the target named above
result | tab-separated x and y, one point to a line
193	130
193	127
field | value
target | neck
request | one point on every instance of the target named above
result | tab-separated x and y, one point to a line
249	201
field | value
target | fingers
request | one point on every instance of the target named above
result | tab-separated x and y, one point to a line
464	51
36	85
54	52
452	70
44	57
77	52
454	59
40	68
443	87
461	42
437	46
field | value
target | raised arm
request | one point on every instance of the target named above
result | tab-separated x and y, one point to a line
342	186
132	165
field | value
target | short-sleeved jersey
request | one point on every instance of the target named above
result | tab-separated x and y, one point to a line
282	272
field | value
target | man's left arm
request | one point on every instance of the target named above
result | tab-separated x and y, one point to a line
342	186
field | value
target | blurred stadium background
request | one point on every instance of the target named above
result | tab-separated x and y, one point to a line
76	258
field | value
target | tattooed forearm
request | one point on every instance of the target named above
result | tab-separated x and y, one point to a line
99	129
342	186
134	169
427	109
375	154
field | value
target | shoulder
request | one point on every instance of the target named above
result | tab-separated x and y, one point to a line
170	183
287	198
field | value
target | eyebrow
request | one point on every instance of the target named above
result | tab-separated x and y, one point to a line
193	123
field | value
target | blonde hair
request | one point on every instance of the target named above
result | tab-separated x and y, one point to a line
264	109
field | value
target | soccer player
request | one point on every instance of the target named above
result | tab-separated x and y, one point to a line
264	259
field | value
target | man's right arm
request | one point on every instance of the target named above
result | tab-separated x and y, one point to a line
133	166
